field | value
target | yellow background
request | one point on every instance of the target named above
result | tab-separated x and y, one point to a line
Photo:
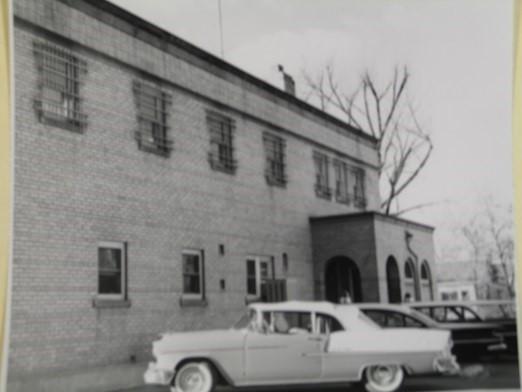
5	172
517	160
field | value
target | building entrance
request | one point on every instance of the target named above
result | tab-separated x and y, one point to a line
342	276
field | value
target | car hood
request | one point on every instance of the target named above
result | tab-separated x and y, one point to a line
198	341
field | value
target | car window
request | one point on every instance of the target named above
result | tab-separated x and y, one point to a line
377	316
452	314
326	324
288	322
412	323
439	314
469	315
426	311
395	320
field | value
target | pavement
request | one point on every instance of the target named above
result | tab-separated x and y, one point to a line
497	375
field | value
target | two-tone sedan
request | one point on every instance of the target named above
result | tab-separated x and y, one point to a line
493	317
471	339
292	343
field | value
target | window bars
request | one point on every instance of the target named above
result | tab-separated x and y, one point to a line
275	170
60	74
341	182
359	192
322	181
221	154
152	112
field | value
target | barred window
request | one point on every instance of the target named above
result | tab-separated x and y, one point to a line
322	182
221	155
341	182
58	102
275	170
152	105
359	193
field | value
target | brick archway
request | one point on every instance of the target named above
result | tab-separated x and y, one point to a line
341	275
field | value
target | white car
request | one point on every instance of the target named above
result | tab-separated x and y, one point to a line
299	343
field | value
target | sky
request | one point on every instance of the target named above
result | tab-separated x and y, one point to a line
459	55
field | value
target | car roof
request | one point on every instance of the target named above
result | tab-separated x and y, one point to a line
461	303
376	305
295	306
347	314
308	306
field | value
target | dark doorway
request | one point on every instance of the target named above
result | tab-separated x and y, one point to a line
341	275
393	279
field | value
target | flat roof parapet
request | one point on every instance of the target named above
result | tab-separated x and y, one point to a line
371	214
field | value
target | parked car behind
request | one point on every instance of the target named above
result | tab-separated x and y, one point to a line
470	339
299	343
498	316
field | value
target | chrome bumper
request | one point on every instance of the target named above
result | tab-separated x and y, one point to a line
446	365
154	375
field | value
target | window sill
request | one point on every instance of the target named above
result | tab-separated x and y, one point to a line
342	199
192	301
161	148
323	193
250	299
104	303
61	122
228	168
279	182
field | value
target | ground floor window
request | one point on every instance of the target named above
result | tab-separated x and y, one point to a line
112	266
258	271
193	273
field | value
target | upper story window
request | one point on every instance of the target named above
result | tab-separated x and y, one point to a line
275	170
342	194
322	183
221	155
152	104
60	72
359	192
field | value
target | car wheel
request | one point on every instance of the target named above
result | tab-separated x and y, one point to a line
193	377
383	378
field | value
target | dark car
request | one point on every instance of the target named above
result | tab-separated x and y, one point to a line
500	314
470	340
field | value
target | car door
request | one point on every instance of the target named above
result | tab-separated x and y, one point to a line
285	351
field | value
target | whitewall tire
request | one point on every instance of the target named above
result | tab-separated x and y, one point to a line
193	377
383	378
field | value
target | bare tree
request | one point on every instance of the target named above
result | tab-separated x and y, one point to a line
490	235
502	246
386	113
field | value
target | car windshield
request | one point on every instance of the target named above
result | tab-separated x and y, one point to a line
245	320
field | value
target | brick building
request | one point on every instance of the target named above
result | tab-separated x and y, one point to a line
158	187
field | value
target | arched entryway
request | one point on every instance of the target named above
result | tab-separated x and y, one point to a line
342	275
393	280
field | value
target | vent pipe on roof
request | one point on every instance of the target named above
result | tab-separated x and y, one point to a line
288	81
